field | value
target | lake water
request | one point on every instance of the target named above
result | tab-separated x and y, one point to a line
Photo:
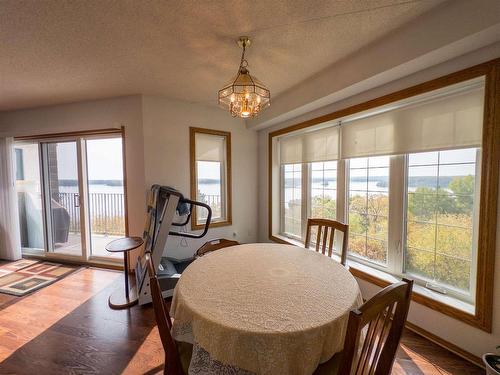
357	188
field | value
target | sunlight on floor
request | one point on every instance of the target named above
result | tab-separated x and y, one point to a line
30	316
414	364
149	356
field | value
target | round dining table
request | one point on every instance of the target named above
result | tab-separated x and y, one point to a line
263	309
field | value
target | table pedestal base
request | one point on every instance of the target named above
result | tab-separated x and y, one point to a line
117	300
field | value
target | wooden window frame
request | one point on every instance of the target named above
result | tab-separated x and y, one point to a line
490	159
194	178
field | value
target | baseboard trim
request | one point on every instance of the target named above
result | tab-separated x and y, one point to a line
109	266
446	344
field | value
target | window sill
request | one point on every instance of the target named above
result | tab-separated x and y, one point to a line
418	289
442	303
213	224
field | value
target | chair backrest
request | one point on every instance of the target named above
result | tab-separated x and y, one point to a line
172	359
384	315
213	245
325	236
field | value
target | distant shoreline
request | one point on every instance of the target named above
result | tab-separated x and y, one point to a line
413	181
64	182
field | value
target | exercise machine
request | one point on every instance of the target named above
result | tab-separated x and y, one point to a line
167	214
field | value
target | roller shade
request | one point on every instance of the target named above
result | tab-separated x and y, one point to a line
291	150
313	146
209	147
445	121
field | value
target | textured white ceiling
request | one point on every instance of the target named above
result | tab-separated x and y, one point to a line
64	51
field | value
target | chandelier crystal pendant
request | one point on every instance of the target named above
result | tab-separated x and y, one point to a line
244	96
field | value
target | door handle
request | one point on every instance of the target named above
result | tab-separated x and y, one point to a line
77	200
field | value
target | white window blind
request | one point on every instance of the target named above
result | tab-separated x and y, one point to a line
447	118
314	146
442	119
290	149
209	147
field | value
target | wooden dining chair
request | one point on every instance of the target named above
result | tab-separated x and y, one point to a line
384	315
325	236
215	244
177	354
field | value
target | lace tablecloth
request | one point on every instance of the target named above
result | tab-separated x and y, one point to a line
264	308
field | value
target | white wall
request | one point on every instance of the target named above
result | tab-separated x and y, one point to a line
464	336
166	156
91	115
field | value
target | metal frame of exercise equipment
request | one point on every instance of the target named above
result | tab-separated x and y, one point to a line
164	204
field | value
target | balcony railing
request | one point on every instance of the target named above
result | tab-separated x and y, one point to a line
107	212
214	202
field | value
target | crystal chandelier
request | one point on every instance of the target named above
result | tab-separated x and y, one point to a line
244	96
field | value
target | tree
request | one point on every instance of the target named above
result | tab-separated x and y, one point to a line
422	203
463	187
325	208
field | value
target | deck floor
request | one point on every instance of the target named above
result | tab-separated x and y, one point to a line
68	328
98	243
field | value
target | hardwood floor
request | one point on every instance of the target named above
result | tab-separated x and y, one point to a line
68	328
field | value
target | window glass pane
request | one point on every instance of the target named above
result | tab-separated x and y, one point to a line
358	202
323	196
452	177
420	262
211	150
358	163
369	207
378	180
378	161
358	180
291	206
378	204
330	165
423	158
29	196
106	196
210	188
439	217
357	243
467	155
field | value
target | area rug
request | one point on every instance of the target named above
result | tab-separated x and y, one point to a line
25	276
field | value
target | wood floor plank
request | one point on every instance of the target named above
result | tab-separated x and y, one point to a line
30	316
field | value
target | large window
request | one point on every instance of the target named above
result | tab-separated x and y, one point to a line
408	177
211	175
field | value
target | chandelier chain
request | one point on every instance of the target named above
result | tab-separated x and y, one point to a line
243	62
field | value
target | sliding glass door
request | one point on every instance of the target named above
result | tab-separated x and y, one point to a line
71	196
106	196
29	196
63	198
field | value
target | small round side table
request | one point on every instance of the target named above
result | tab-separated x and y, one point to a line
119	300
